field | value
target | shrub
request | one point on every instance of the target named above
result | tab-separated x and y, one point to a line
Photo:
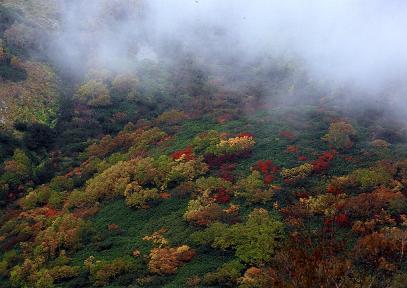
253	188
203	211
138	197
157	238
226	171
324	161
60	273
93	93
342	220
381	249
37	197
18	169
298	173
33	100
302	158
338	185
110	183
78	198
322	204
171	117
365	204
103	272
218	149
185	171
148	177
204	141
225	276
254	241
232	146
61	183
166	261
212	185
218	188
193	281
368	178
339	135
257	278
137	141
186	154
267	169
63	234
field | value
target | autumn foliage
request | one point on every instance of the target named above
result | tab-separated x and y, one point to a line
166	260
323	162
91	169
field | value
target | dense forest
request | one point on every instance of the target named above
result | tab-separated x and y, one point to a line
190	172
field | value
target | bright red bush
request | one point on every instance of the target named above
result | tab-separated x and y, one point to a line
187	153
323	161
267	169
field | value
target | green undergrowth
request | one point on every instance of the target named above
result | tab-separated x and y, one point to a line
135	224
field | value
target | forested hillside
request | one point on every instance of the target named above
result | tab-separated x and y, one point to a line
188	172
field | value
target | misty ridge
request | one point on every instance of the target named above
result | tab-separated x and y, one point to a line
350	50
203	143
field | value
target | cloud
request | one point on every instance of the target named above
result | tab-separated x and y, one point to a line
362	43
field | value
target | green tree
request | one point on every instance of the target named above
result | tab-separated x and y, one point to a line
254	241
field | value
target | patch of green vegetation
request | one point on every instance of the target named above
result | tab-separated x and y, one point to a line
135	224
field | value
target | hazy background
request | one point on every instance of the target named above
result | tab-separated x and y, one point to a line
360	44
